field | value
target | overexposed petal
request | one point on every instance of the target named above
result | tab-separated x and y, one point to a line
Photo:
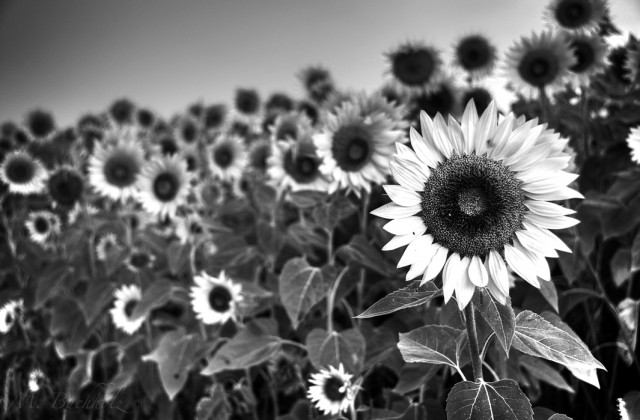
556	222
402	196
404	226
451	275
498	272
477	272
394	211
521	263
435	265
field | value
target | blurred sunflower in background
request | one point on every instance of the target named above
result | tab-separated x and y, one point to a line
296	165
475	55
23	173
590	52
576	15
227	158
163	186
475	195
42	226
215	299
414	67
65	186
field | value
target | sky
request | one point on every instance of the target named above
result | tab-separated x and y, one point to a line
78	56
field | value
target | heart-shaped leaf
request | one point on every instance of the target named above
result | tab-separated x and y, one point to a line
301	287
332	348
407	297
501	400
361	253
431	344
543	371
155	296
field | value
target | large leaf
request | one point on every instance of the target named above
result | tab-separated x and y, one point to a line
549	293
541	370
251	346
175	354
51	280
500	318
621	265
538	337
332	348
501	400
329	213
301	287
155	296
430	344
360	252
407	297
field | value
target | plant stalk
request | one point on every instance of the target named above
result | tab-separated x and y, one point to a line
474	348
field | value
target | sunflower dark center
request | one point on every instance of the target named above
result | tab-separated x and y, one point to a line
166	186
140	259
223	156
334	389
287	130
585	56
474	53
351	147
129	307
302	168
41	224
168	146
66	187
220	299
472	204
189	132
20	170
413	68
121	170
573	13
539	67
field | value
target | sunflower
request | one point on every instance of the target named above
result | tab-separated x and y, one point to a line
355	148
23	173
106	246
166	145
42	226
139	259
396	112
259	154
9	314
215	300
37	379
633	141
65	186
247	101
414	67
121	111
480	95
296	165
214	117
443	99
227	158
278	102
332	391
590	52
163	186
317	82
187	131
474	195
476	55
539	62
127	297
576	15
114	169
40	123
291	126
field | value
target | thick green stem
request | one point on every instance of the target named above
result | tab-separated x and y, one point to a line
363	230
544	105
474	348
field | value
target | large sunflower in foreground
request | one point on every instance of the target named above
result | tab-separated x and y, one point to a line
356	148
475	195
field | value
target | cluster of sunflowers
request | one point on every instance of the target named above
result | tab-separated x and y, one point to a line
205	265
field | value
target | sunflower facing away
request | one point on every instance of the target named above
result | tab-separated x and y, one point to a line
475	195
127	297
215	300
356	148
476	55
590	52
414	67
332	391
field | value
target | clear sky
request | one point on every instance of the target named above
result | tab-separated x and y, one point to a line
74	56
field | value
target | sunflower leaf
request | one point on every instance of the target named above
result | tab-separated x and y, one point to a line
500	318
155	296
407	297
501	400
214	407
360	252
543	371
329	213
301	287
538	337
332	348
430	344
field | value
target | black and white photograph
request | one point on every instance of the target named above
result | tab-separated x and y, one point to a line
319	210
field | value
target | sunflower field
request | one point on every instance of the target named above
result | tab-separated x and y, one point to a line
417	252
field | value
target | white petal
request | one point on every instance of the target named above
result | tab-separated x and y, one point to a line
420	264
542	266
502	134
405	153
562	193
469	121
553	182
556	222
455	135
435	265
541	168
531	242
498	271
546	236
497	294
485	128
402	240
401	195
404	226
464	290
451	275
394	211
531	158
527	144
477	273
521	263
545	208
408	173
424	145
441	136
416	249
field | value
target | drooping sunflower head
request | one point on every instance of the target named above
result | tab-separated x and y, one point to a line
332	391
476	194
317	82
590	52
23	173
355	148
291	126
414	66
65	186
114	169
40	123
227	157
539	62
215	300
163	186
127	298
296	165
576	15
475	55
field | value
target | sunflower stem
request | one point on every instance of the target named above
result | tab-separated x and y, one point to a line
363	230
544	105
331	297
474	348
